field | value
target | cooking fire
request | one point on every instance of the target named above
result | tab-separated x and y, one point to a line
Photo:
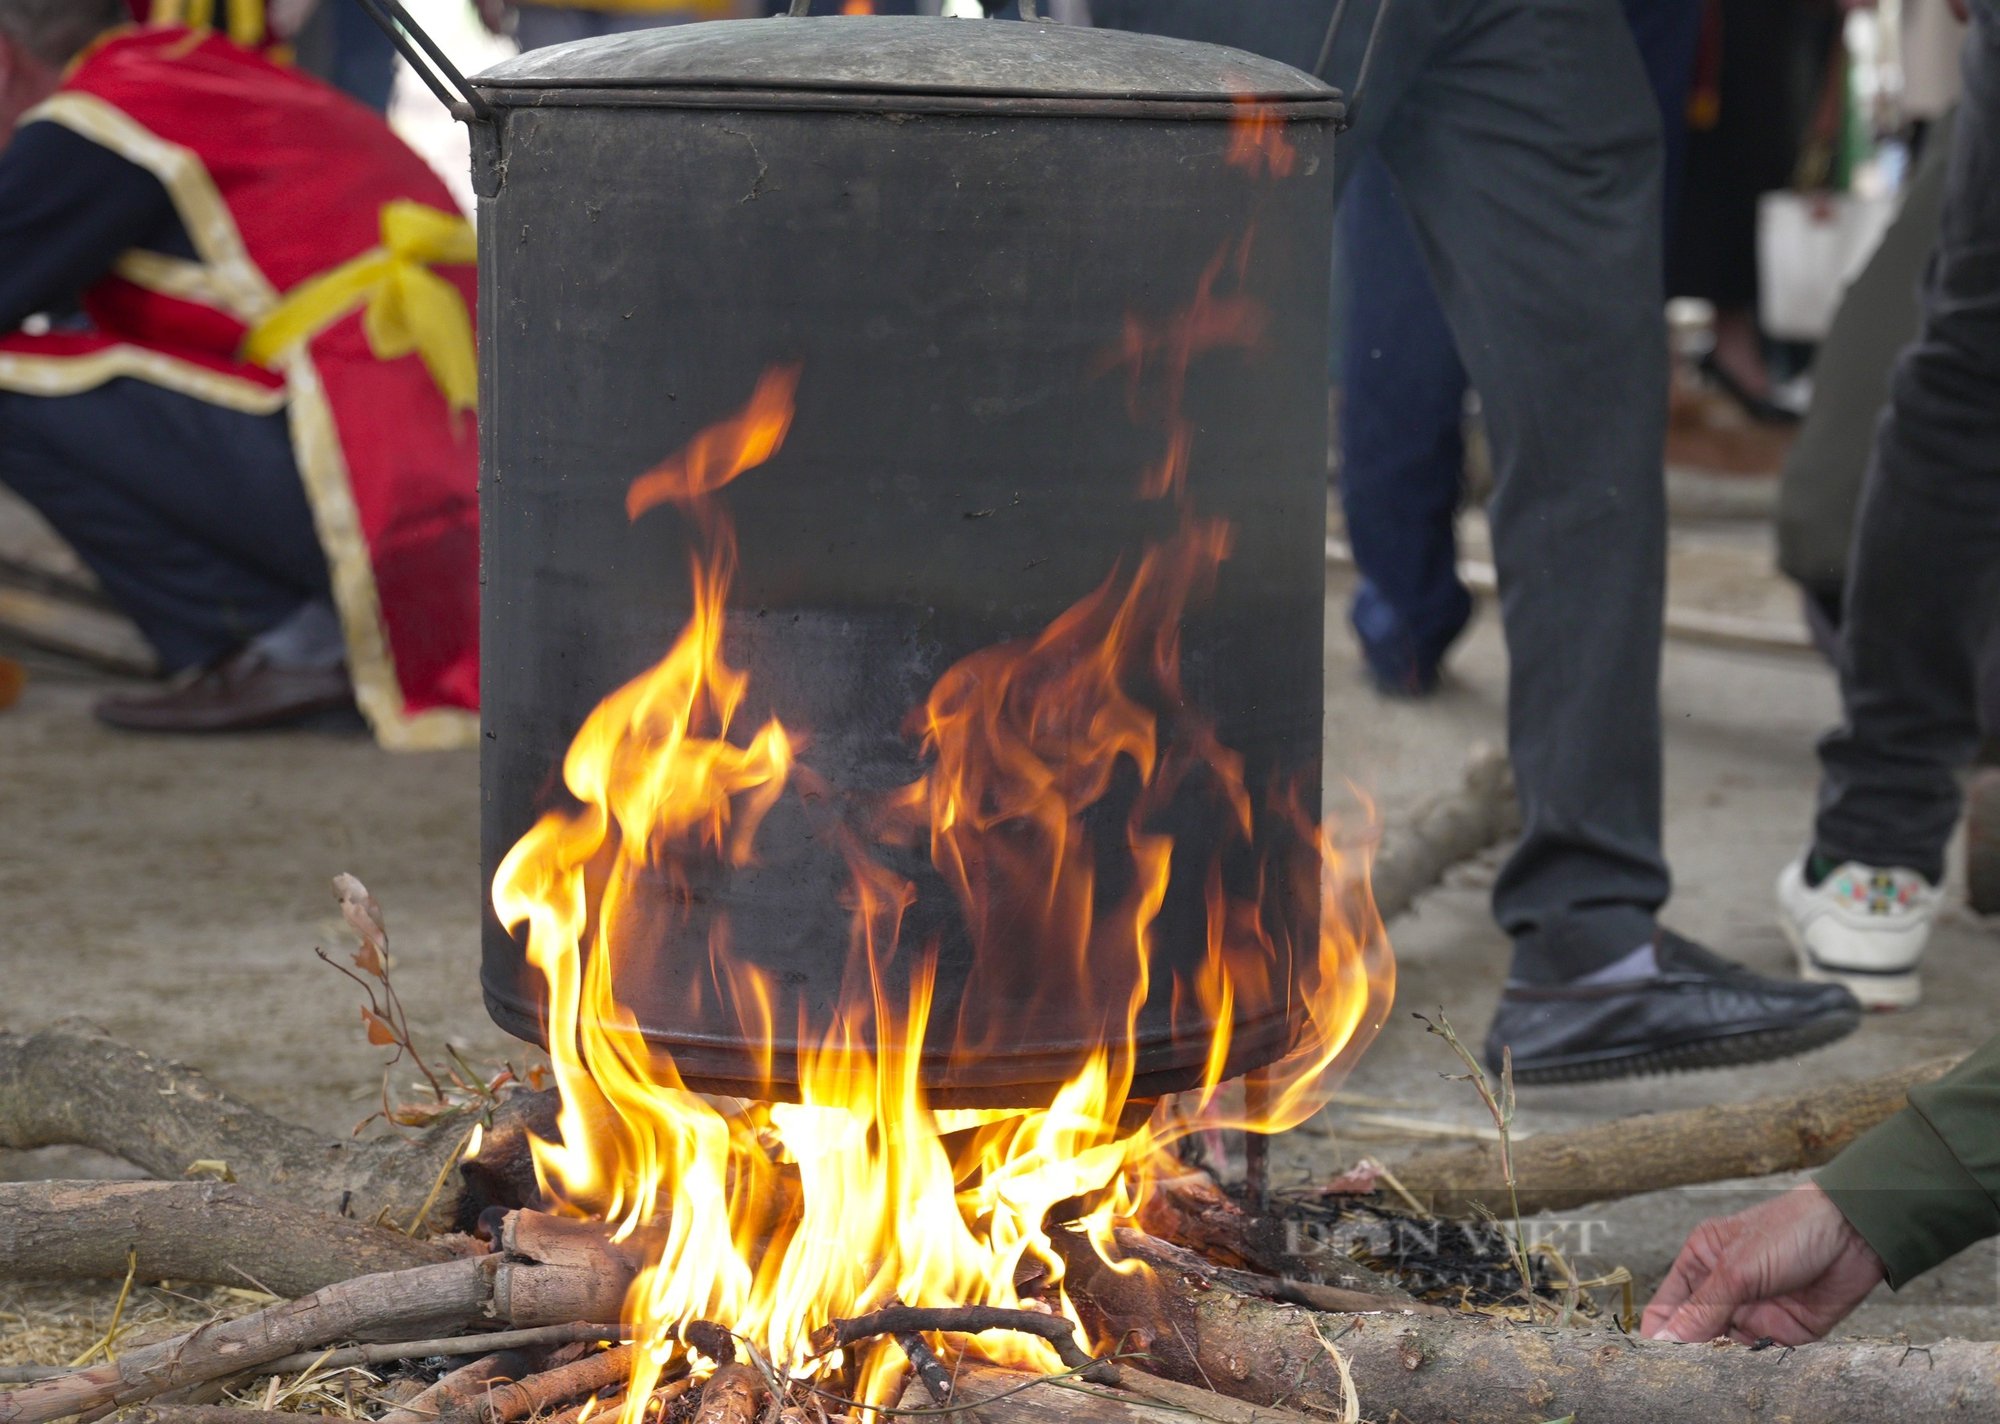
774	1219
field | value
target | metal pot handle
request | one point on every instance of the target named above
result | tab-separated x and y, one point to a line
433	66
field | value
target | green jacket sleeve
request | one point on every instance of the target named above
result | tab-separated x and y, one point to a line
1924	1185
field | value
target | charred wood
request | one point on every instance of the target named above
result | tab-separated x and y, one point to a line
961	1320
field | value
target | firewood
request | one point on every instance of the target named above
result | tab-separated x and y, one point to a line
1192	1211
449	1296
960	1320
734	1394
216	1414
503	1403
1483	1370
553	1271
543	1335
412	1302
1419	849
461	1385
70	1084
1003	1396
1650	1152
211	1232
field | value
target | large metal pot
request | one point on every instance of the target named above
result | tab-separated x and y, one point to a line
947	225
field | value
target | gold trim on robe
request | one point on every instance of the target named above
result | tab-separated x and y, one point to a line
232	283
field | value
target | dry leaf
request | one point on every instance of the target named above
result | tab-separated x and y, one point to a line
369	961
379	1031
363	916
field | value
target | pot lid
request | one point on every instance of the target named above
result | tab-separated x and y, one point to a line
892	54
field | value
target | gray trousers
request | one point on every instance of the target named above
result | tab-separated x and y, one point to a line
1923	593
1525	143
539	26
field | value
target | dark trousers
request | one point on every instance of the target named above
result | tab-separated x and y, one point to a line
1402	450
1923	593
1402	444
192	516
1526	148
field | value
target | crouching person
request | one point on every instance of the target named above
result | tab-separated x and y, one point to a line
237	374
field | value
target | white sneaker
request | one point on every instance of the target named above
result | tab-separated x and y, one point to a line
1860	927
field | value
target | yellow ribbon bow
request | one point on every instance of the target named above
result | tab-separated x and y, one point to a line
405	306
245	22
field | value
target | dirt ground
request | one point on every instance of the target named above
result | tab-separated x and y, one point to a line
174	891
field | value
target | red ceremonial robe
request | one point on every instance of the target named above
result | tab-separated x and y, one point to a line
279	179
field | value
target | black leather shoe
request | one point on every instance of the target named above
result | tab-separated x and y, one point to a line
243	692
1699	1011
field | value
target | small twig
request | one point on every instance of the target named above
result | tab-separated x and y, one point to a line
930	1370
536	1393
962	1320
444	1172
1501	1106
1256	1146
218	1414
1395	1185
110	1338
354	1355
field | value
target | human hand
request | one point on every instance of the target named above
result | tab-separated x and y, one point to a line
1789	1269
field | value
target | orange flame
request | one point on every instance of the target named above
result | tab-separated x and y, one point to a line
722	452
1156	356
775	1218
1257	140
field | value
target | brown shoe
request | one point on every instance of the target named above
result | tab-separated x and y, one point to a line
241	693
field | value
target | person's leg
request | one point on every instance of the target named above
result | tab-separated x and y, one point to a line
192	516
1402	447
1667	32
1528	156
364	59
1879	315
1924	587
539	26
1525	145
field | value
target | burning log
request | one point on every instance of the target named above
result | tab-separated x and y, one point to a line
190	1231
71	1084
1482	1370
1651	1152
734	1394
